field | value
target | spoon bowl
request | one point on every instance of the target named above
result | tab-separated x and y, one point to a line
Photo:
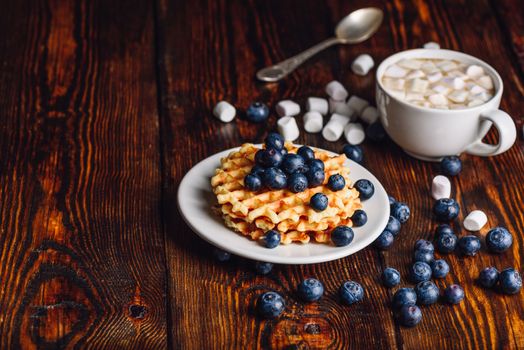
359	25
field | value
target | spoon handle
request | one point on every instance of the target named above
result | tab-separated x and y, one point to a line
281	69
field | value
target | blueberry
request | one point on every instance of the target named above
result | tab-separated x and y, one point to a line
454	294
365	188
422	244
297	182
510	281
318	201
469	245
257	170
336	182
353	152
293	163
257	112
439	268
310	289
446	243
385	240
393	225
284	151
488	277
315	164
427	293
306	153
315	177
390	277
275	179
253	182
446	209
263	268
351	292
342	236
423	255
274	140
498	240
450	166
443	229
400	211
391	200
404	297
269	157
409	316
221	255
272	239
270	305
420	272
375	132
359	218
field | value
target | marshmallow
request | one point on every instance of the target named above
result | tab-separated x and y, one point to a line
458	96
369	114
395	71
313	122
458	74
475	89
440	187
354	133
317	104
475	220
410	64
474	103
429	67
453	83
336	91
394	83
335	127
357	104
362	64
340	107
447	66
438	100
414	96
415	74
288	128
224	111
417	85
474	71
441	89
287	108
483	96
486	82
431	45
434	77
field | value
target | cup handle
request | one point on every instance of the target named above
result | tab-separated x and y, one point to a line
507	133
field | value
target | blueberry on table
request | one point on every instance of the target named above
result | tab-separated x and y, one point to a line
306	152
269	157
454	294
315	177
439	268
469	245
375	132
275	179
446	243
488	277
270	305
353	152
400	211
393	225
221	255
450	166
263	268
310	289
342	236
420	272
409	315
318	201
272	239
510	281
315	164
297	182
443	229
404	297
336	182
385	240
351	292
274	140
253	182
257	112
446	209
424	256
391	200
390	277
293	163
365	188
359	218
427	293
499	240
422	244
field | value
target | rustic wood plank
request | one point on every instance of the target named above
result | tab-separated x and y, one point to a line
81	245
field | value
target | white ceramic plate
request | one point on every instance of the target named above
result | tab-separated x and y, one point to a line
195	199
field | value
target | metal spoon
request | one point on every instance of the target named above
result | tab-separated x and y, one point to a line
356	27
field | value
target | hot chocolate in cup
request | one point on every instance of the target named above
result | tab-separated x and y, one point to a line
430	133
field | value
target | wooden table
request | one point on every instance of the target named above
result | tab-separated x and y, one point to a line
105	105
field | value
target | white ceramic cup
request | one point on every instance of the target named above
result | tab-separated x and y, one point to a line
430	133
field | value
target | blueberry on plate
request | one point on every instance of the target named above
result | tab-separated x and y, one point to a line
427	293
450	166
365	188
359	218
315	177
446	243
310	289
498	240
257	112
385	240
510	281
306	153
270	305
390	277
263	268
454	294
284	151
351	292
353	152
424	256
404	297
488	277
269	157
439	268
274	140
272	239
253	182
336	182
375	132
318	201
275	179
297	182
446	209
315	164
420	272
257	170
342	236
422	244
293	163
469	245
443	229
400	211
391	200
409	315
393	225
221	255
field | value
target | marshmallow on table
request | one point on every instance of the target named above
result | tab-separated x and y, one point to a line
340	107
357	104
362	64
317	104
335	127
313	122
395	71
288	128
336	91
287	108
369	114
224	111
474	71
431	45
440	187
354	133
475	220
